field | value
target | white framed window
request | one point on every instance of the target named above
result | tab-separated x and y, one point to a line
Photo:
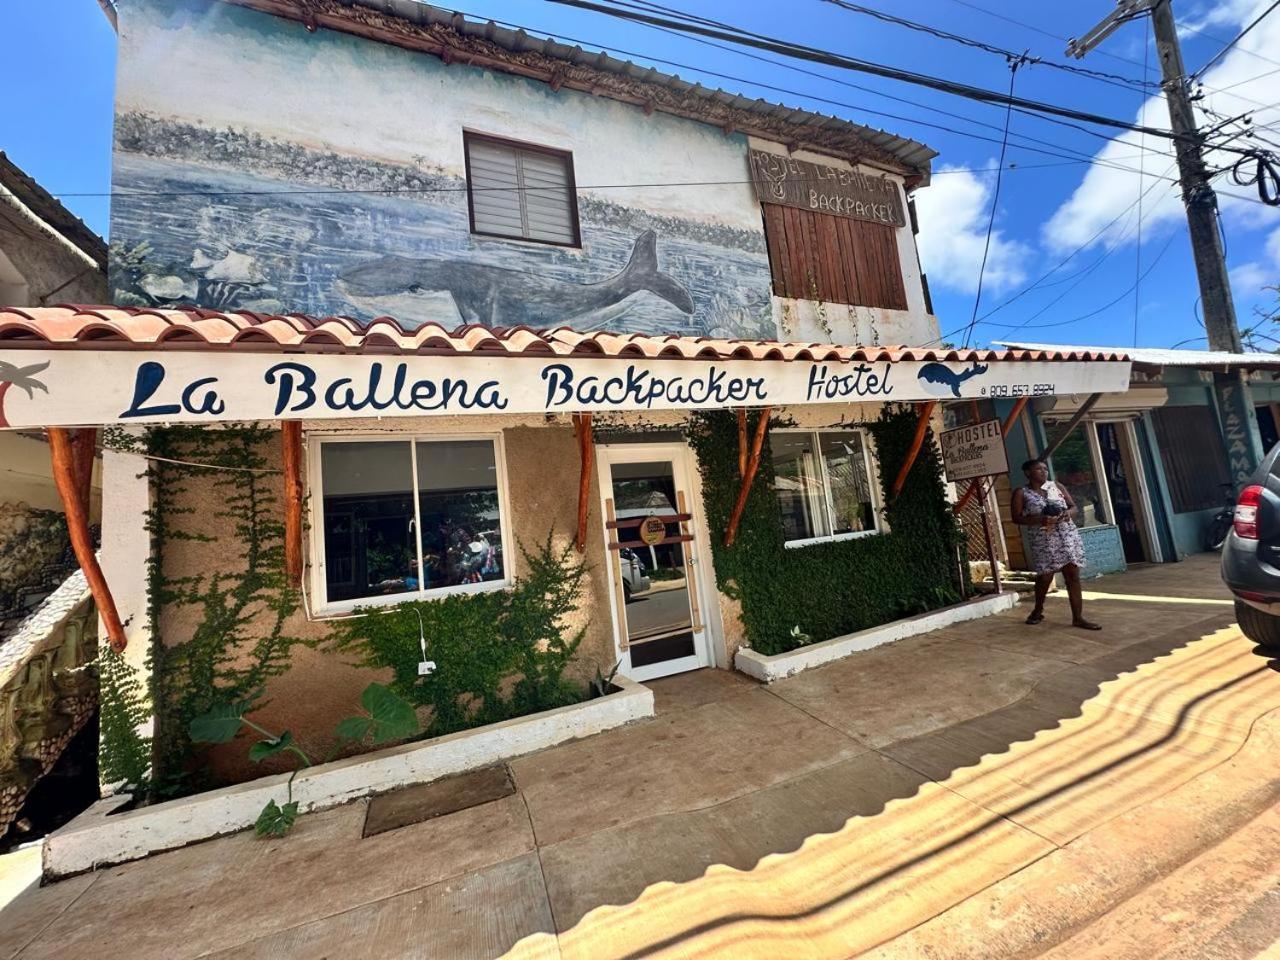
825	484
521	191
406	517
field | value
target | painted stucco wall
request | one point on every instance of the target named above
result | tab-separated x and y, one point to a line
321	686
367	139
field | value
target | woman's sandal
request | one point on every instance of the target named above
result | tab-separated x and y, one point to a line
1035	618
1085	625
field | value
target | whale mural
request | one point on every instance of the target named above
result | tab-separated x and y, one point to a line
285	195
496	296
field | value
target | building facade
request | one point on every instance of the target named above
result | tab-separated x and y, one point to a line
365	256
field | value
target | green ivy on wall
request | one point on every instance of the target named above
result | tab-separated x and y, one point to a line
498	654
239	605
838	587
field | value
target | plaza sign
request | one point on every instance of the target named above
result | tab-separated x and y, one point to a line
74	387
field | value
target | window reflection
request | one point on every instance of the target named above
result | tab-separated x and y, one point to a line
823	483
458	503
1073	468
368	519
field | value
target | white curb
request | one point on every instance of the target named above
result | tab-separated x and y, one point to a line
769	669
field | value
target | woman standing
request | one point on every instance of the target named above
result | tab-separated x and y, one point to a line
1048	513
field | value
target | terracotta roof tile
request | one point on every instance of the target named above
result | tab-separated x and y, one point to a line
197	329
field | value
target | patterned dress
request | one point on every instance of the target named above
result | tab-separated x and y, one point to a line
1051	548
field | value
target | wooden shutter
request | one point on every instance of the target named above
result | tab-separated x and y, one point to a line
820	256
1191	447
522	192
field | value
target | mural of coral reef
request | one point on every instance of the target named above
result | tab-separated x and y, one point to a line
230	217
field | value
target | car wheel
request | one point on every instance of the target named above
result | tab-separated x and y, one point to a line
1262	628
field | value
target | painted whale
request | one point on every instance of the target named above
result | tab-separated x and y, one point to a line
412	290
939	379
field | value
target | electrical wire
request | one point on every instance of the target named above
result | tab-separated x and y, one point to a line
1234	40
624	10
995	202
1113	79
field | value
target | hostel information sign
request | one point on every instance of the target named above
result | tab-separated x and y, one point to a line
974	451
92	387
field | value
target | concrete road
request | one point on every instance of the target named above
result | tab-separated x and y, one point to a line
991	790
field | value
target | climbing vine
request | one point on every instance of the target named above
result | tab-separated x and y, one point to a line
499	654
229	618
790	597
124	754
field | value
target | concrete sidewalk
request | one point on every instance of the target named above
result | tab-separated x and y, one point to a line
988	790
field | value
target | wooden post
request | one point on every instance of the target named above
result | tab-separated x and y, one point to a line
922	427
84	444
753	464
586	444
291	443
742	441
1071	425
64	476
1018	406
991	550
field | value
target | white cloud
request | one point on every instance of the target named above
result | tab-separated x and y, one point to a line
954	211
1102	209
1250	280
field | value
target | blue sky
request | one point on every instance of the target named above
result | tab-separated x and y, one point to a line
1055	206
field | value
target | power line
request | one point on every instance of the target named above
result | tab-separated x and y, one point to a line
1137	252
1040	281
1234	40
635	13
1110	78
1208	36
1055	152
1061	39
995	202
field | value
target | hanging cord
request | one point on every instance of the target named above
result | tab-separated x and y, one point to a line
1265	174
1014	64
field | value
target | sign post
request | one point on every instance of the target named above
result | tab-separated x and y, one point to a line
976	452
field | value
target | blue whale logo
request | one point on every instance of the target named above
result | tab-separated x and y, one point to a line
940	380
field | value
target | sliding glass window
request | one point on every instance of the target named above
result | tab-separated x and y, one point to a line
412	517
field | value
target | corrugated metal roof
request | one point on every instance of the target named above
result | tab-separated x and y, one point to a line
910	153
92	328
1156	357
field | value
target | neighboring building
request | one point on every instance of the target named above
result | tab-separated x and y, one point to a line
450	172
1149	467
47	256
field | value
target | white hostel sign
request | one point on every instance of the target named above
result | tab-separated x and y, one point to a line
71	387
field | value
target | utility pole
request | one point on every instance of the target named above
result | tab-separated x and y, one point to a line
1234	400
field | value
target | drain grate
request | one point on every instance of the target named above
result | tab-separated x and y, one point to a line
426	801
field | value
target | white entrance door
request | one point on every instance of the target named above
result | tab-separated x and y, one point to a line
655	579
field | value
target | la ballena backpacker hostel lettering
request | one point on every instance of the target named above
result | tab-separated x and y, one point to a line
100	387
824	189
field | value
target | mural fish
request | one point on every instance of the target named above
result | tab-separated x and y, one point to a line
941	380
411	290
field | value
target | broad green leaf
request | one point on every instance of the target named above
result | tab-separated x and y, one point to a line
274	820
353	728
393	716
218	725
269	748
